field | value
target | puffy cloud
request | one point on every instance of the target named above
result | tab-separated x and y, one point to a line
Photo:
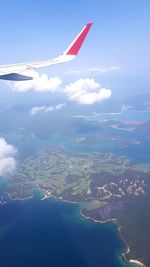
49	108
6	149
7	160
91	98
36	110
59	106
86	91
83	91
94	69
7	165
40	83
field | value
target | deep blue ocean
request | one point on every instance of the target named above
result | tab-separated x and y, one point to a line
35	233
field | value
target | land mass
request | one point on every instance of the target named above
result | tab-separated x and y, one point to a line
110	187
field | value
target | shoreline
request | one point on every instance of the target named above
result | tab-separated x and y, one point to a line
137	262
123	254
113	220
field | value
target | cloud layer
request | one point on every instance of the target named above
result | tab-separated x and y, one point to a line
40	83
7	160
87	91
83	91
36	110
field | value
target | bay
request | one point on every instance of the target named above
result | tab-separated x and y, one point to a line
49	233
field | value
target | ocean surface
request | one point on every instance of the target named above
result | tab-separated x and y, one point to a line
49	233
35	233
122	116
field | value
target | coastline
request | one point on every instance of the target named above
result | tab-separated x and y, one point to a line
137	262
113	220
123	254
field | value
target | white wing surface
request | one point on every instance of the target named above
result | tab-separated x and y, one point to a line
15	72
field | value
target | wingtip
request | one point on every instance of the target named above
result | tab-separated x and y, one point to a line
77	43
89	24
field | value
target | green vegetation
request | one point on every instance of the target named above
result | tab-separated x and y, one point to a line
105	186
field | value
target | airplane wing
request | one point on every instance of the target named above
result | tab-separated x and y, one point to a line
15	72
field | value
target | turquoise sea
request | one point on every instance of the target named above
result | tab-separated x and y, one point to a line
122	116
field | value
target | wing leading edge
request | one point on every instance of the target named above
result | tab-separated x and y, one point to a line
15	72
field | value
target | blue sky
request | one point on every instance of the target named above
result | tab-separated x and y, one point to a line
120	37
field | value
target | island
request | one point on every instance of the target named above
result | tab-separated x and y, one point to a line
106	186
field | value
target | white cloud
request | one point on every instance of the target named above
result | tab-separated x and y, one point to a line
59	106
40	83
6	149
49	108
91	98
7	165
36	110
87	91
7	160
94	69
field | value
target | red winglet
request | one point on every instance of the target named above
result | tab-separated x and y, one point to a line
76	44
